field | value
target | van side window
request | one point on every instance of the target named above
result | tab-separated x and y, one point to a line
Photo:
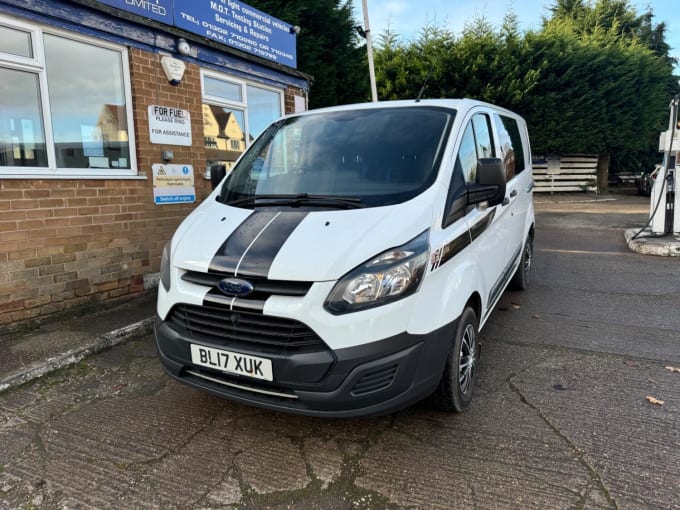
512	150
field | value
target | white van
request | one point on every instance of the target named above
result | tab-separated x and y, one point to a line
348	261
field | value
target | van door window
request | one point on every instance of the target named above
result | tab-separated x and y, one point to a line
512	150
482	127
467	155
476	144
506	149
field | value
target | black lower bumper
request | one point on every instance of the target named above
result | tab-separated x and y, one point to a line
371	379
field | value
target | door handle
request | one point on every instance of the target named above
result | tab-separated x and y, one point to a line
506	200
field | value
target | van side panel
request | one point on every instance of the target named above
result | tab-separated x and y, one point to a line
444	293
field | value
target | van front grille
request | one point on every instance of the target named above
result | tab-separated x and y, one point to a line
262	287
242	328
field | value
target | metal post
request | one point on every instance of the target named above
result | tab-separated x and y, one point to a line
369	47
661	187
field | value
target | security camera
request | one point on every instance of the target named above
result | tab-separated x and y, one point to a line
183	47
295	30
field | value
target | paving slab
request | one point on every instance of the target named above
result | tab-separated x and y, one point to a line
53	344
600	405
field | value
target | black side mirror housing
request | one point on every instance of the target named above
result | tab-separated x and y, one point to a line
490	185
217	173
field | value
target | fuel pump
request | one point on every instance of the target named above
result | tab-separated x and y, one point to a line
665	196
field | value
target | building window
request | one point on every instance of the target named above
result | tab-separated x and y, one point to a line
15	42
64	104
22	133
234	114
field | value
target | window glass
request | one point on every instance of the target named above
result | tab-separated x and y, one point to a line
15	42
224	133
483	136
22	136
233	119
264	107
87	103
381	156
507	151
222	89
467	156
512	128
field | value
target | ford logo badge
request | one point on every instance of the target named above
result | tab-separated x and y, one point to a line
235	287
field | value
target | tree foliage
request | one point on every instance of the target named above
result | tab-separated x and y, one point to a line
596	78
328	48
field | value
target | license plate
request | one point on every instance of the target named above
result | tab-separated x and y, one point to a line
232	362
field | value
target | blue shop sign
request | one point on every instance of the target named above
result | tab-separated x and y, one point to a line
229	22
240	26
159	10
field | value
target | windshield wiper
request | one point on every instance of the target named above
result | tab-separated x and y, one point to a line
300	199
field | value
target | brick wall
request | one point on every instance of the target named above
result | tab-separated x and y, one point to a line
289	98
65	243
68	242
71	242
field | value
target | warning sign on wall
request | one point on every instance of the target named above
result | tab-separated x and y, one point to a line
170	126
173	184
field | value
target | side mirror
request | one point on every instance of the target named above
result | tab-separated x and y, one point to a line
217	173
490	185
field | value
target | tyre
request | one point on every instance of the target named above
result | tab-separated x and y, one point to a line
455	389
521	278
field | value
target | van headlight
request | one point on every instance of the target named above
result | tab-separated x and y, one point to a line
392	275
165	266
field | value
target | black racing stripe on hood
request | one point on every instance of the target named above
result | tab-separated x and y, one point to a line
228	255
269	230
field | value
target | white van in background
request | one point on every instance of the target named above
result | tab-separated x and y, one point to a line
347	263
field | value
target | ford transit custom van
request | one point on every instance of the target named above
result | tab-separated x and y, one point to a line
347	263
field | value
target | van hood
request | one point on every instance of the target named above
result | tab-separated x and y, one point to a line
294	244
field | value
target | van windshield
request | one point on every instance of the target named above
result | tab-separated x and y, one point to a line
364	158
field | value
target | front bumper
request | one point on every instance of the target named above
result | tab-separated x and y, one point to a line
374	378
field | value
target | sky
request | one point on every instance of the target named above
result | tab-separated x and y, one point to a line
407	17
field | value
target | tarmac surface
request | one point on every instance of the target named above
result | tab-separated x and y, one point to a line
577	405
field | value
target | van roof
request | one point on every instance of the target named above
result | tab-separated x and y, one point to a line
457	104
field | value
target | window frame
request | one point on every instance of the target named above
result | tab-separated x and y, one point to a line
237	105
37	65
36	43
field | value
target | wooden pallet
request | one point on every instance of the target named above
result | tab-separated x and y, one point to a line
555	174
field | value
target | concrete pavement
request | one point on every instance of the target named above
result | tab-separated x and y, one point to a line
29	353
57	343
561	417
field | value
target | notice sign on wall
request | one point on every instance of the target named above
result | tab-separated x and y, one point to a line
173	184
169	126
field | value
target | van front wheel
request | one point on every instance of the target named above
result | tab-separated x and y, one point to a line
521	278
454	392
